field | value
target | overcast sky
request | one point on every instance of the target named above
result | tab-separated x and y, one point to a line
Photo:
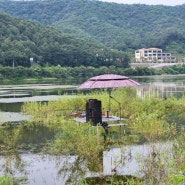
149	2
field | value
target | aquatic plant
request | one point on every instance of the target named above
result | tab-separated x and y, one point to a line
149	120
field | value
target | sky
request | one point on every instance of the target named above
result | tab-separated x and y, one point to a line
149	2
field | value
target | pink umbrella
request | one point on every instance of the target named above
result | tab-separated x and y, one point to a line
108	81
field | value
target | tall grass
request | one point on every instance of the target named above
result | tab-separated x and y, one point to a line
149	120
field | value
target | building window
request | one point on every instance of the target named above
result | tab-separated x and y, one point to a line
152	54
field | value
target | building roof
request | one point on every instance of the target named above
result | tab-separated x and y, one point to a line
150	49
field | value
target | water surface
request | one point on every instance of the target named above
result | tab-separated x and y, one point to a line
44	169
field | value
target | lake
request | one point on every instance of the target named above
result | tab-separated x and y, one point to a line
12	97
43	169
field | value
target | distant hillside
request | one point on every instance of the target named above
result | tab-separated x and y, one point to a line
119	26
22	39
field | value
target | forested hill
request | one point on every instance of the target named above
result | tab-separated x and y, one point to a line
120	26
22	39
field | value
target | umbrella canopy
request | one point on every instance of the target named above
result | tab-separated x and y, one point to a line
108	81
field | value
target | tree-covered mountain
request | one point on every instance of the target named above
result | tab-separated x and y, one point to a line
120	26
21	40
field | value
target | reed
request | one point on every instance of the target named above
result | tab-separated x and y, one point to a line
149	120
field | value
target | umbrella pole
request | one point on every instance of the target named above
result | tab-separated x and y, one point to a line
109	91
118	104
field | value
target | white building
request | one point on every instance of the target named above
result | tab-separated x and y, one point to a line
153	55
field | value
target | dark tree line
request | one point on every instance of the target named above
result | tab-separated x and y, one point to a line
80	72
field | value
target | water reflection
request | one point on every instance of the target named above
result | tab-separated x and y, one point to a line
128	160
162	86
12	98
10	107
40	169
161	90
18	143
13	117
20	159
17	91
50	169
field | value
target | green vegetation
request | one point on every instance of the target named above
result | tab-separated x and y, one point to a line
67	73
119	26
7	180
77	74
150	120
22	40
90	33
80	48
